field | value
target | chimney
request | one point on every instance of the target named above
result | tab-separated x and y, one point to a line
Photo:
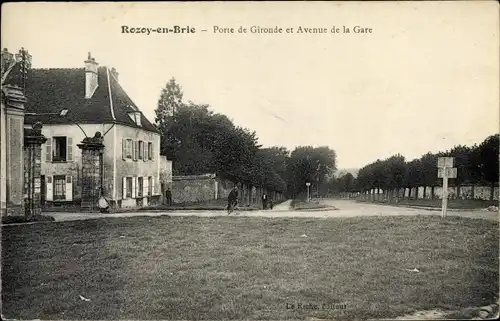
114	73
7	60
91	82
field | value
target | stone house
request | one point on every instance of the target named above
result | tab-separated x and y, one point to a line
98	140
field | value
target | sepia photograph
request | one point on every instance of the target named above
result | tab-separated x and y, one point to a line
245	160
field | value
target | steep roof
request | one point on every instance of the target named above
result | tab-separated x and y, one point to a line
49	91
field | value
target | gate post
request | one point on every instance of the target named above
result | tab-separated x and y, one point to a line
33	140
92	178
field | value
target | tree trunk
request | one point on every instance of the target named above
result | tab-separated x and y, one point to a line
492	191
249	202
432	192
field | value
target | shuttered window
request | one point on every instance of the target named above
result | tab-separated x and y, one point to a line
140	187
136	150
146	186
127	187
150	150
69	149
49	189
127	152
69	188
48	150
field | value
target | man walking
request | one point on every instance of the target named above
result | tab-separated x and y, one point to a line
168	196
232	200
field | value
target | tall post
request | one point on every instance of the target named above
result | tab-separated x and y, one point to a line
445	171
445	195
92	170
33	140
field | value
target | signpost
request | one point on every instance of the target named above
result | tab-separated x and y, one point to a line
308	193
445	171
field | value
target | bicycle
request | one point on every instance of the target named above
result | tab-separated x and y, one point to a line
231	207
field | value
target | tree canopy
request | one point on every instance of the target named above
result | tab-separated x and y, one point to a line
477	164
199	141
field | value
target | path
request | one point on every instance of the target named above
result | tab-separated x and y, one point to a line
346	208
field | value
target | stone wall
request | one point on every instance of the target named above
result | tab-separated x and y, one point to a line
199	188
224	187
465	192
165	171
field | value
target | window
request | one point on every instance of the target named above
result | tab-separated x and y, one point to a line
129	148
136	150
138	119
150	186
141	149
135	116
59	187
150	150
140	186
59	149
129	188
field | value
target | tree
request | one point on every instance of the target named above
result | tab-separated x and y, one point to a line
474	167
428	172
346	183
170	100
476	164
462	157
234	152
309	164
270	168
489	154
394	171
412	177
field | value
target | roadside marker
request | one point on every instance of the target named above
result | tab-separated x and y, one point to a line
445	171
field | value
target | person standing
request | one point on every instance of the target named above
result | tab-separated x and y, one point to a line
264	201
168	195
103	205
232	199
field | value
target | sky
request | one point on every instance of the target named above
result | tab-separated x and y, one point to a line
425	79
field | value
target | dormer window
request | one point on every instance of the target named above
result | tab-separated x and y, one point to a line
136	117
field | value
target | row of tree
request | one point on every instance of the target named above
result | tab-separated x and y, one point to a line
476	165
201	141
